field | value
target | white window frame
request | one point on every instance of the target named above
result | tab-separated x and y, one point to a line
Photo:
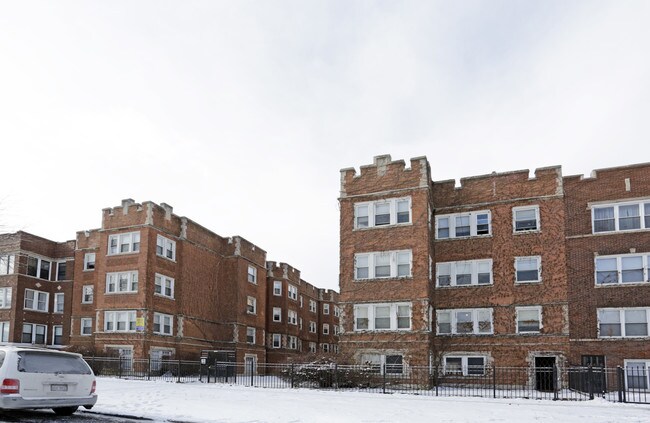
277	314
87	291
39	264
326	329
89	261
538	225
115	317
292	317
37	299
58	269
452	314
292	342
465	368
277	288
312	306
250	334
371	207
276	340
163	283
113	280
54	331
129	239
337	311
7	264
161	319
4	331
378	363
372	315
59	302
454	267
326	308
292	292
644	225
622	321
627	363
86	322
393	261
337	329
473	224
5	297
620	258
537	309
312	347
251	302
34	326
165	248
312	327
519	260
252	274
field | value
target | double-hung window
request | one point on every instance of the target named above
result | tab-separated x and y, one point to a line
292	342
277	340
623	322
59	300
89	261
326	329
277	314
119	321
251	305
637	374
384	364
5	297
36	300
388	316
38	267
34	333
464	273
7	262
312	327
124	243
392	211
476	321
4	331
627	216
622	269
164	286
277	288
61	267
252	274
292	292
525	219
166	248
87	294
464	365
292	317
163	324
385	264
528	269
326	308
250	335
86	326
529	319
122	282
463	225
312	306
57	335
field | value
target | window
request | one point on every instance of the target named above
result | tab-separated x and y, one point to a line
337	330
525	219
477	321
252	274
325	347
61	271
312	306
312	347
292	292
164	286
385	264
390	316
292	317
300	323
623	323
124	243
57	335
293	342
121	282
277	340
277	314
277	288
621	217
86	326
464	365
326	329
4	331
312	327
89	261
301	301
528	269
391	211
627	268
464	273
326	308
34	334
59	299
250	335
87	292
38	267
462	225
337	311
251	305
162	324
380	363
36	300
166	248
5	297
529	319
6	264
119	321
637	374
335	348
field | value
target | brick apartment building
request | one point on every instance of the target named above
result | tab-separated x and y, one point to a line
504	269
150	283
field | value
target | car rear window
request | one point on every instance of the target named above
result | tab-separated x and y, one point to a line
45	362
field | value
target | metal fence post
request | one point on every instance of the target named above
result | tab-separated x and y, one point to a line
621	385
336	376
149	369
590	385
292	375
384	379
252	372
494	381
555	382
178	380
120	367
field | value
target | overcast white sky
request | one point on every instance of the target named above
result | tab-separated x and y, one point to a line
240	114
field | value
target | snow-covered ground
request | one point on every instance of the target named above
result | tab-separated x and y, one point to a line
200	402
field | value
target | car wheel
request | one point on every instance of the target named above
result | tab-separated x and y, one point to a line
64	411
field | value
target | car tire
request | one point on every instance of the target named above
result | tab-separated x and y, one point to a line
65	411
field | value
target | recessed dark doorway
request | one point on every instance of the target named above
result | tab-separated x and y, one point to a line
545	374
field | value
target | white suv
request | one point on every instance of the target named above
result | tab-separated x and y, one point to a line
43	378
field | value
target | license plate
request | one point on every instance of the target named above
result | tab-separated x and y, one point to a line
58	387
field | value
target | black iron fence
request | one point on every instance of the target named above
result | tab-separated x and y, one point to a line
630	384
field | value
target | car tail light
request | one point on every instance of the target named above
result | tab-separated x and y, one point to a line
10	386
92	389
